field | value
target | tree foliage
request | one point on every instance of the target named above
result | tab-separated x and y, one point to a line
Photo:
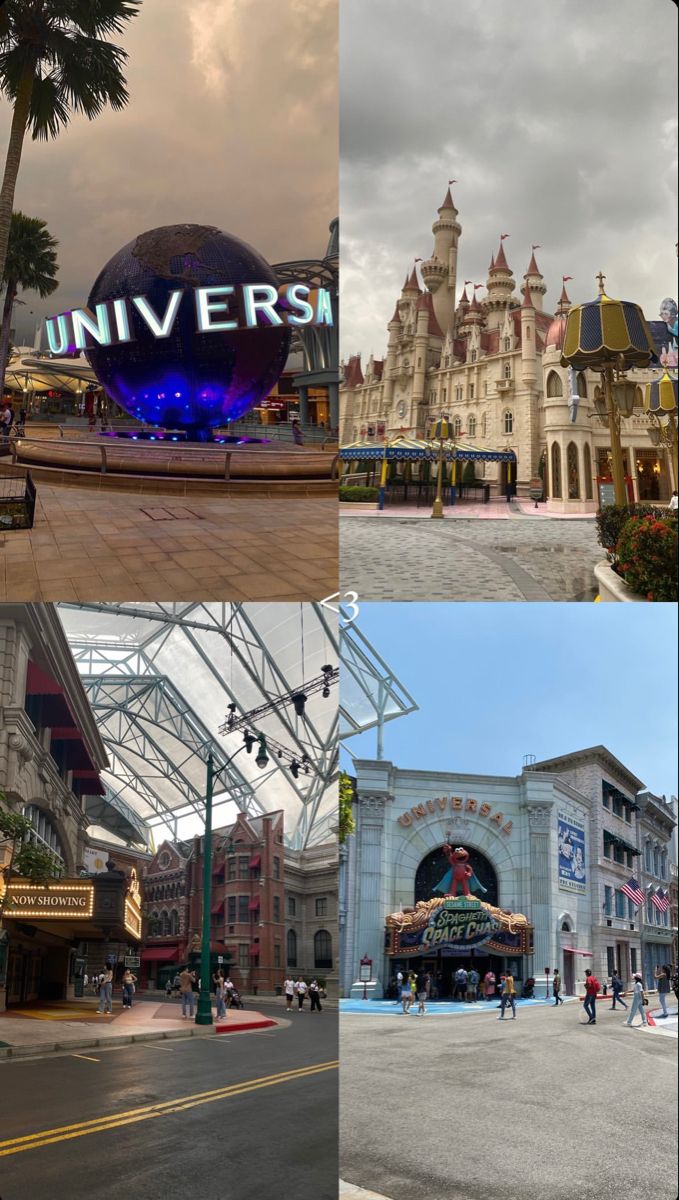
347	823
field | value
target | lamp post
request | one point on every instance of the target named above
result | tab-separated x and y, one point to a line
609	336
660	404
442	431
204	1007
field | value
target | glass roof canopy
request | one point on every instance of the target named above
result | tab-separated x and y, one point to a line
160	677
370	692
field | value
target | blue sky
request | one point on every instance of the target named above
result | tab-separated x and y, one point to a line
497	681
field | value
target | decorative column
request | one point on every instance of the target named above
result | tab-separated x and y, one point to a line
303	404
539	821
333	401
369	929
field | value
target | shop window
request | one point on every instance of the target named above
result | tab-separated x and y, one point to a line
608	901
322	949
509	422
573	469
292	906
554	384
276	908
292	948
321	906
587	455
471	426
619	903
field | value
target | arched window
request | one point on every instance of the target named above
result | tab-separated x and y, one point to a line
582	385
43	833
292	948
164	923
656	861
471	391
473	356
573	469
174	921
663	864
554	384
154	924
556	470
471	426
647	857
507	344
484	426
322	949
565	927
587	454
434	872
509	422
507	371
457	426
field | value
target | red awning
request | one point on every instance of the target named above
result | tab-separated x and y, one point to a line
255	861
572	950
254	904
160	954
254	951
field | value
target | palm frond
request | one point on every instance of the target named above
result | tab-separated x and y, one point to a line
49	111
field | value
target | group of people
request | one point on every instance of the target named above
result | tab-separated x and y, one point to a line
7	420
300	988
102	985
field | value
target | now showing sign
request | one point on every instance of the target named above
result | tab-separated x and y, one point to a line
54	901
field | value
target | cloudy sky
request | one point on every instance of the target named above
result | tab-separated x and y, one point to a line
558	121
232	122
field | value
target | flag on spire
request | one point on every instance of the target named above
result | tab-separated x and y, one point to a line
478	285
451	181
565	278
537	246
633	892
503	236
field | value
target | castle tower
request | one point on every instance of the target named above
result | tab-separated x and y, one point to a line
500	285
536	283
529	363
440	271
394	328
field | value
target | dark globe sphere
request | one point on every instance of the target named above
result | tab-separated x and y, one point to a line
188	380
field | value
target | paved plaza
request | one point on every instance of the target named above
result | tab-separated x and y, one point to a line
549	1106
401	558
113	545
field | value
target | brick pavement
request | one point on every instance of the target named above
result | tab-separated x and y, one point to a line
114	545
466	559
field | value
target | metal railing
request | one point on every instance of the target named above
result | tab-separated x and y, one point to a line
17	498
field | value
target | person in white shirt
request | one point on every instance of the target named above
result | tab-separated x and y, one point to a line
399	986
637	1001
301	989
674	502
289	989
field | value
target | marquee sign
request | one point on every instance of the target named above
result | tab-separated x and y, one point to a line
457	926
132	920
53	902
445	804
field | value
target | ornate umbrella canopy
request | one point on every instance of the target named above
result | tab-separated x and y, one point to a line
606	331
405	447
442	430
661	395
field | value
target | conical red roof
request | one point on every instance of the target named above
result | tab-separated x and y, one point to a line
527	298
412	282
464	298
563	298
533	268
396	316
353	375
426	302
501	263
492	263
448	202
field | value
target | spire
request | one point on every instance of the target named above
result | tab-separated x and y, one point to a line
411	284
397	316
448	202
527	298
464	298
492	264
533	268
426	303
564	302
501	263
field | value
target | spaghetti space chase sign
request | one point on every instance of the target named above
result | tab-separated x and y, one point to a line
224	308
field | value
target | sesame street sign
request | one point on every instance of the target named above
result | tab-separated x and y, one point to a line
462	923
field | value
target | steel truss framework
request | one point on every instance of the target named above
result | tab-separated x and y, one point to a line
371	694
132	659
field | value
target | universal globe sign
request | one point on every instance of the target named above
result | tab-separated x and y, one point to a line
187	327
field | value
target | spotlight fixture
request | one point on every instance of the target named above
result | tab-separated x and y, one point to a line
294	768
262	756
327	677
249	740
232	718
299	700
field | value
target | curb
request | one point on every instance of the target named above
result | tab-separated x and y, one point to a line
351	1191
37	1050
243	1027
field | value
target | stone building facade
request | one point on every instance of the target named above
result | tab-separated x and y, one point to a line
656	825
493	367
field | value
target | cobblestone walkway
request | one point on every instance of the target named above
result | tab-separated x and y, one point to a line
401	559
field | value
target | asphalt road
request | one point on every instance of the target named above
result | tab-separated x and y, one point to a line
233	1115
466	1108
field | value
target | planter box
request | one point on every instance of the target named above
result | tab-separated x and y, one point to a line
612	587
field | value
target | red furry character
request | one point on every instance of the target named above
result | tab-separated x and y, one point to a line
461	870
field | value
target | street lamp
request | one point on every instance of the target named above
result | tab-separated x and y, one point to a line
204	1008
660	403
442	430
609	336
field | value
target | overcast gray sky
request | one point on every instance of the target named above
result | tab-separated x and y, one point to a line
232	122
557	119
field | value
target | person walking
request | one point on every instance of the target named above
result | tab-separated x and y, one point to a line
421	997
229	990
301	989
315	996
638	1001
472	986
297	433
219	981
617	988
592	987
663	975
106	991
508	997
289	989
399	986
489	984
556	988
129	981
460	984
187	980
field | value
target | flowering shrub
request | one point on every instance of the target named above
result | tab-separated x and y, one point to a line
612	517
646	557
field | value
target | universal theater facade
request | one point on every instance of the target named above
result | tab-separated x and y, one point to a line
544	855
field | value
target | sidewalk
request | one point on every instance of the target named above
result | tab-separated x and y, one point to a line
497	509
350	1191
76	1025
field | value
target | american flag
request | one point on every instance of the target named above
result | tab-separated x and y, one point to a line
661	900
633	891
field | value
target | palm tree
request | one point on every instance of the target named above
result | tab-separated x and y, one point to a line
54	61
31	264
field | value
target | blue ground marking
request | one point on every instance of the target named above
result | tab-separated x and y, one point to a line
436	1008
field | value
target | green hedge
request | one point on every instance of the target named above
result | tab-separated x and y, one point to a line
612	517
358	494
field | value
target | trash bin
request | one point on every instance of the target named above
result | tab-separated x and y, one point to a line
278	989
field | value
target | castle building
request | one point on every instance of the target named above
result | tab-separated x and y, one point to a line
492	365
